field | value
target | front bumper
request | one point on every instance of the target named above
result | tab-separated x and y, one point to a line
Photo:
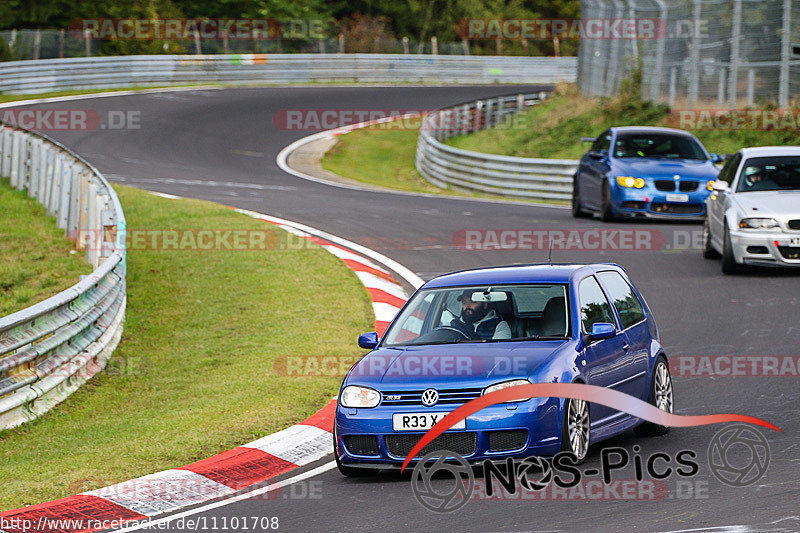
538	417
650	203
766	248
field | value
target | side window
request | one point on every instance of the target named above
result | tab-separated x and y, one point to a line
628	306
594	306
603	142
729	170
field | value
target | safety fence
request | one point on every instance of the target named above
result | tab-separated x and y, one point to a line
49	349
723	53
28	77
517	177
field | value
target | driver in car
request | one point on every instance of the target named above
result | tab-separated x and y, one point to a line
755	181
478	320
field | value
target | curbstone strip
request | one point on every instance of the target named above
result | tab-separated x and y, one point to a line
164	492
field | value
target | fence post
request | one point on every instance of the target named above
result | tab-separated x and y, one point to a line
751	85
783	82
673	75
15	153
721	87
735	42
434	46
87	38
655	84
694	62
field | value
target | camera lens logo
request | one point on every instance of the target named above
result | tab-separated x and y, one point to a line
739	455
453	491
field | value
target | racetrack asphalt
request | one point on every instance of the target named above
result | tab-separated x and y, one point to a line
220	145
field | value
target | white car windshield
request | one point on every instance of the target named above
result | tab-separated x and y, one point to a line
482	314
770	174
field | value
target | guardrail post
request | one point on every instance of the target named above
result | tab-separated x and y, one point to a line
15	156
93	238
476	122
64	203
33	185
487	116
465	124
74	200
83	211
55	192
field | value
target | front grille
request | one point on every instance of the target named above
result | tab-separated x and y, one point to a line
665	185
361	444
633	204
789	252
505	441
414	397
688	186
677	209
463	443
794	224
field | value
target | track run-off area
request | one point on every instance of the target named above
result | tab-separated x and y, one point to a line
221	145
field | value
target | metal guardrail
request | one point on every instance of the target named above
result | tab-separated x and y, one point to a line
29	77
517	177
49	349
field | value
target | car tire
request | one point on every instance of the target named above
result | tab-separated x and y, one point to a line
351	471
709	252
577	208
660	388
606	211
729	264
576	420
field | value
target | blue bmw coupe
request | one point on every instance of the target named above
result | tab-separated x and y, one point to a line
470	333
646	172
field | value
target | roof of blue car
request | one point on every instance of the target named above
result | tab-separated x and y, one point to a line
538	273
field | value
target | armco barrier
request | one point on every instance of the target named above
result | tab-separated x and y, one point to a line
28	77
49	349
518	177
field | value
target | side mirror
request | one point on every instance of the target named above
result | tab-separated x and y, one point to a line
588	140
716	158
598	154
368	340
601	330
720	186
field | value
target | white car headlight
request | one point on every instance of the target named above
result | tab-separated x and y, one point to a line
506	384
359	397
758	223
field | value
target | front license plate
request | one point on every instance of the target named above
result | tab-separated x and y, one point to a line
794	241
677	197
418	421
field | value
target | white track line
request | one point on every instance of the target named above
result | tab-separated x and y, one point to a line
149	524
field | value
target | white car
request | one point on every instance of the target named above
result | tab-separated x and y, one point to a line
753	212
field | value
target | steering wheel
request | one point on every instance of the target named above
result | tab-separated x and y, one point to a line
451	328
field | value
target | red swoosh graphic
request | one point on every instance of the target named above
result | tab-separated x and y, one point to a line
578	391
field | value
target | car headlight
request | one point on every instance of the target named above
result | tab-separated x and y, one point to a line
710	185
758	223
630	182
506	384
359	397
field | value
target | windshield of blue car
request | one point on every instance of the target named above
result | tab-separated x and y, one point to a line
476	314
770	174
657	146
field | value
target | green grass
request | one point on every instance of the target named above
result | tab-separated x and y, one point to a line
194	374
383	155
36	259
553	128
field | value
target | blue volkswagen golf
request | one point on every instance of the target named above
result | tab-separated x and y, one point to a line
644	172
467	334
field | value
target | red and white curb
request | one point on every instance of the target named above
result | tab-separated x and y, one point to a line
150	496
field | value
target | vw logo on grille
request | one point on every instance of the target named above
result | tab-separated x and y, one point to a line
430	397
